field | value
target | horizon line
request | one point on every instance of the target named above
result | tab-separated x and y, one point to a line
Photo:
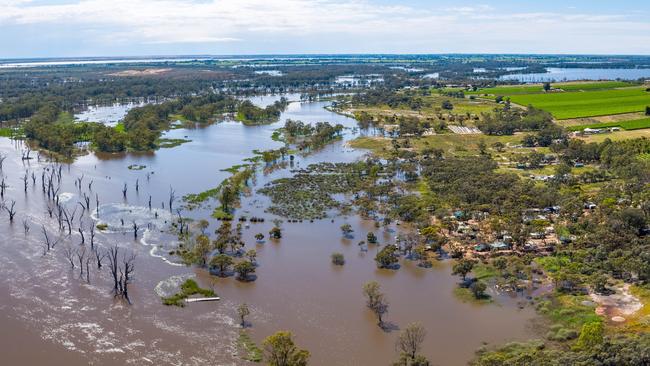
301	55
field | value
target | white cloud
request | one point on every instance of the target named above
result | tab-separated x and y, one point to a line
469	28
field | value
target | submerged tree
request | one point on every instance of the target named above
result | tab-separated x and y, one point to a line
243	312
463	267
121	271
275	233
347	230
375	300
221	261
280	350
409	342
386	257
338	259
244	269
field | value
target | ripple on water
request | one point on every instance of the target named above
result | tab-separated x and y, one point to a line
119	217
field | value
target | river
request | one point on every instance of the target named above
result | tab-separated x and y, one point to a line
49	308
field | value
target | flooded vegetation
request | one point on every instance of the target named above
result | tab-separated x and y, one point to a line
355	214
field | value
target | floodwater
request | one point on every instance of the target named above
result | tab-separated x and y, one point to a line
571	74
108	115
51	315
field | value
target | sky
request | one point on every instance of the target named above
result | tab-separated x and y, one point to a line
85	28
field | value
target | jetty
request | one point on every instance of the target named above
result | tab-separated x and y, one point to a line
199	299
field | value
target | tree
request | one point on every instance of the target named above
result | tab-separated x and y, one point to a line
419	360
591	335
482	147
223	236
478	289
634	218
447	105
244	269
227	196
410	340
243	312
222	261
499	146
280	350
259	237
201	249
371	238
251	255
375	300
346	229
386	256
647	110
203	225
275	233
463	267
547	86
338	259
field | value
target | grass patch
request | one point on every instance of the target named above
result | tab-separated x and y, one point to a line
626	125
251	352
197	198
178	117
539	89
10	132
639	322
618	136
220	214
164	143
234	169
458	145
188	288
552	264
567	312
485	271
466	295
278	135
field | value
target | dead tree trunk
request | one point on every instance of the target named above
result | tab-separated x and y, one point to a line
135	230
114	265
25	180
99	256
172	197
92	236
69	254
11	210
81	255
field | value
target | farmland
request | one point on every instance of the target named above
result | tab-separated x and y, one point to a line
589	103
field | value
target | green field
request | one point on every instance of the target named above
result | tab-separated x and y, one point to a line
588	103
507	90
626	125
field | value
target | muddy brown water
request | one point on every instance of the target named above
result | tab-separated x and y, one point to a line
51	316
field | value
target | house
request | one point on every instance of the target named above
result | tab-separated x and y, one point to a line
530	247
481	248
499	245
537	235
